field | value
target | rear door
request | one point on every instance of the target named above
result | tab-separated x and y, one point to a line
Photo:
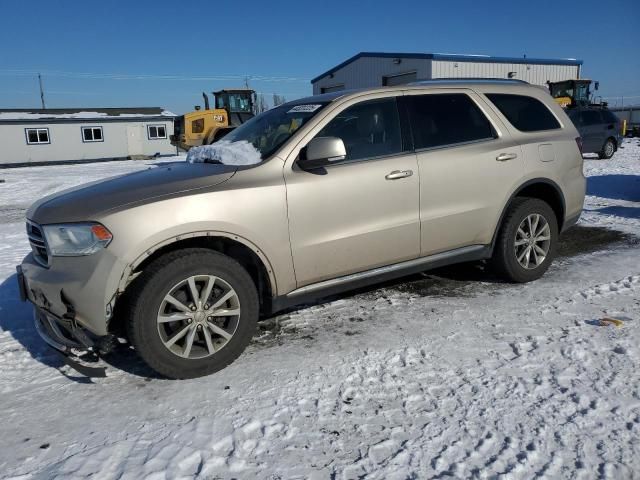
468	165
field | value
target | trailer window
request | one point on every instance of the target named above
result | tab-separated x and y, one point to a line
156	132
92	134
527	114
37	136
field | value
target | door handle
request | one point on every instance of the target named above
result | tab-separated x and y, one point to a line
503	157
396	174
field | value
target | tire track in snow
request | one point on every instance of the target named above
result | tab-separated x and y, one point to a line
399	413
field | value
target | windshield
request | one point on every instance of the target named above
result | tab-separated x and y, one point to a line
270	130
237	102
579	91
582	92
562	90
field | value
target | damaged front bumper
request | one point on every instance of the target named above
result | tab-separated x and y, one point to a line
65	334
88	284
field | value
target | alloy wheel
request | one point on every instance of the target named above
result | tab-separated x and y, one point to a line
608	149
532	242
198	316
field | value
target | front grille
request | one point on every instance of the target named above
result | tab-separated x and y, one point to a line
38	243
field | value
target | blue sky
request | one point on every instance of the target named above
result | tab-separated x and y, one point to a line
165	53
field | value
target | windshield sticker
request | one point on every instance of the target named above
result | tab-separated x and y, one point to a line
304	108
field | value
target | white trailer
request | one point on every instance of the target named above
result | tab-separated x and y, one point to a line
35	136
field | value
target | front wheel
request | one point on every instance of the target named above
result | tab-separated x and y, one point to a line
608	149
526	241
192	313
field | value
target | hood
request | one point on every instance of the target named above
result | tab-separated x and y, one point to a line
87	202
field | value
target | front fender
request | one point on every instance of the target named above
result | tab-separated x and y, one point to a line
127	274
252	210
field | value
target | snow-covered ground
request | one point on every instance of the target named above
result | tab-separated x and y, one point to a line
446	374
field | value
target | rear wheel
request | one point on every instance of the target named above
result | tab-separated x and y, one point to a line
527	241
608	149
193	313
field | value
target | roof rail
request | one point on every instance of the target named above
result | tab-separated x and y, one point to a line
468	80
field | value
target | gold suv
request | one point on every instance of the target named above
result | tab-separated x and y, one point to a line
337	191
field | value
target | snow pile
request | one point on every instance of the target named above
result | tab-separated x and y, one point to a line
228	153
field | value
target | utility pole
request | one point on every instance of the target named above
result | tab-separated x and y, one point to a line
41	92
246	82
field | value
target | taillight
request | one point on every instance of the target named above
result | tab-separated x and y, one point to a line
579	143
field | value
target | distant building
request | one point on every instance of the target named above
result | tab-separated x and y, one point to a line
34	136
375	69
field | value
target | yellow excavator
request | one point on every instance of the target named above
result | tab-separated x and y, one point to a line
232	107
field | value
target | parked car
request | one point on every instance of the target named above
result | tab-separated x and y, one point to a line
351	188
600	129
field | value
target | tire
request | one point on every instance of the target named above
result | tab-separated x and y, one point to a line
608	149
176	273
505	260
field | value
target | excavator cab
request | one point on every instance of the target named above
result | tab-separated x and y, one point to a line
237	103
572	93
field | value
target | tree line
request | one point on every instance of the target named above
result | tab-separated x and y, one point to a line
262	104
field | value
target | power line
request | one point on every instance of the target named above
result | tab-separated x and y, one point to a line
171	93
131	76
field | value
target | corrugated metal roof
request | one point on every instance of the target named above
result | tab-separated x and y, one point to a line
453	57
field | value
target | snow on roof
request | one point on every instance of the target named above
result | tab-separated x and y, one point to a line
82	113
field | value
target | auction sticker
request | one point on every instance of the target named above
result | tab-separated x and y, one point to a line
304	108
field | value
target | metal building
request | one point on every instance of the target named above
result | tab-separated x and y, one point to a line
36	136
374	69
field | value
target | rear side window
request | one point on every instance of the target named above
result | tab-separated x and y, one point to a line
609	117
446	119
527	114
591	117
575	117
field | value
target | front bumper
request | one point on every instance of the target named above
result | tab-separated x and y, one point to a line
64	333
86	285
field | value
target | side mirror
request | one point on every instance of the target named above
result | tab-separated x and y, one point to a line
322	151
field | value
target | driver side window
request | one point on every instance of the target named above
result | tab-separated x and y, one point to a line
368	129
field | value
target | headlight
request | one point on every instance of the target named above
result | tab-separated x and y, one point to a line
76	239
